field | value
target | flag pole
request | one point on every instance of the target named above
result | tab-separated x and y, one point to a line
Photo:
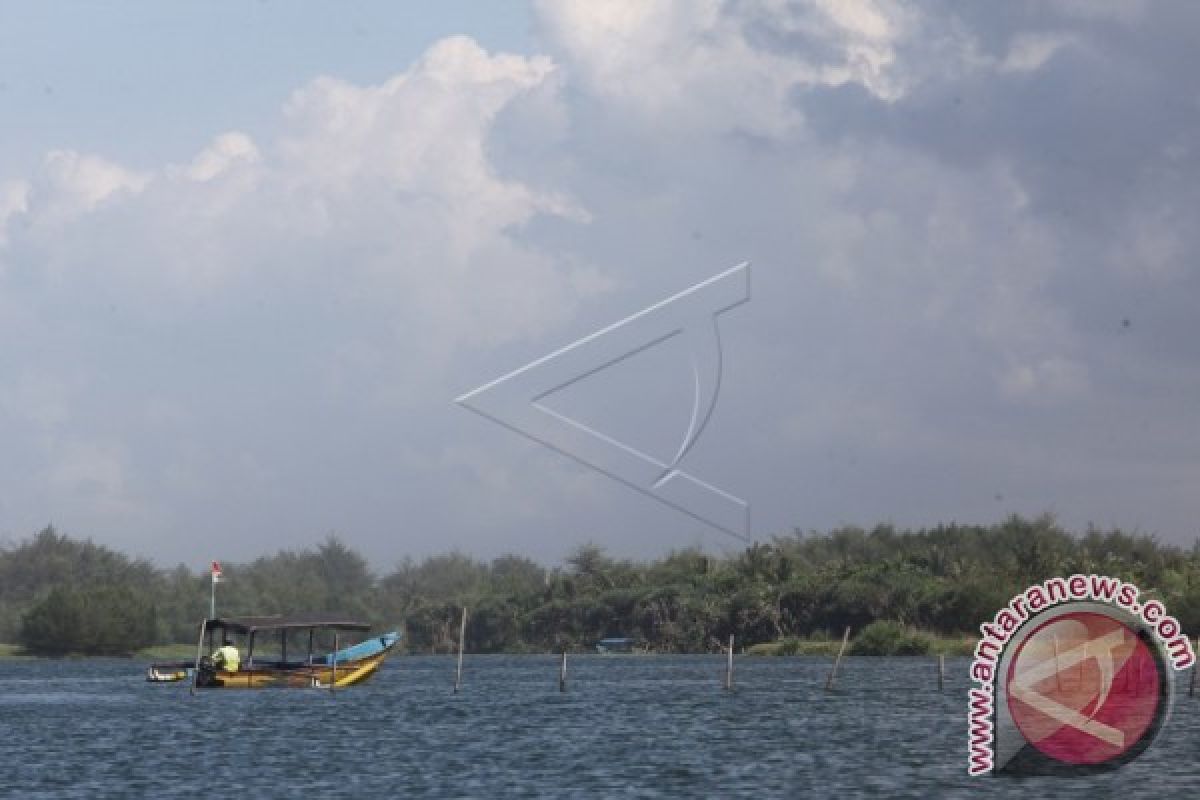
214	577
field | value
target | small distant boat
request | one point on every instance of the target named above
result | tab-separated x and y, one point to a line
168	673
616	644
344	666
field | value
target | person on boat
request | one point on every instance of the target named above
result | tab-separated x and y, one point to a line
227	657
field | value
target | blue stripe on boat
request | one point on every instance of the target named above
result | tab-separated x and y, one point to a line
365	649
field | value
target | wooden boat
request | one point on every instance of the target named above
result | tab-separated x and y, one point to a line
344	666
168	673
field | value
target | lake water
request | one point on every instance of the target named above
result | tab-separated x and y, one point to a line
628	726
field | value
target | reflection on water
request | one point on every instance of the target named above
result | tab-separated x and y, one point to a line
635	726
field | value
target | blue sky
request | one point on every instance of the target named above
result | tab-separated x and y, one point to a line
146	82
250	253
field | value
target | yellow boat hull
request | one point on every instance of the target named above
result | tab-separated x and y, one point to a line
305	677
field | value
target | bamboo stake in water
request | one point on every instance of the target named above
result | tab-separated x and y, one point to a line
333	659
462	634
199	651
832	679
941	671
729	666
1057	673
1192	685
562	673
1083	662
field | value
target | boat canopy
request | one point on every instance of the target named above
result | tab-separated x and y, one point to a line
274	623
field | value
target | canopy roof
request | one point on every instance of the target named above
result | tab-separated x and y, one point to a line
339	622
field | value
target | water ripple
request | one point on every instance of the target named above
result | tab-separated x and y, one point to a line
640	727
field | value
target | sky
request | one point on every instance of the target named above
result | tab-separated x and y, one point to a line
250	254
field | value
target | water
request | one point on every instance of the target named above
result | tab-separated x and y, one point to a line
637	726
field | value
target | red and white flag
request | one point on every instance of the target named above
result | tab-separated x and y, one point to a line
216	572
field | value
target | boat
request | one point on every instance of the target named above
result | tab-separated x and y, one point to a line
615	644
168	673
344	666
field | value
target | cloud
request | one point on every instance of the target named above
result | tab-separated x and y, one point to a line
225	152
1030	51
79	183
723	66
37	399
94	472
396	172
948	224
1048	379
350	260
1125	11
14	200
969	229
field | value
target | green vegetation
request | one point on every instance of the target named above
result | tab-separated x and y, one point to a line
885	637
9	651
824	645
168	652
99	620
818	645
920	591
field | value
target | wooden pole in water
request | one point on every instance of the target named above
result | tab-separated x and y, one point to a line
199	650
1057	674
729	666
333	658
941	671
462	634
1192	685
562	673
832	679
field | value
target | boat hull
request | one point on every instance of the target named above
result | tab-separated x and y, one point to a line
322	674
168	673
316	676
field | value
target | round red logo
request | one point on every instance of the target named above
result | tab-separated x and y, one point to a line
1084	688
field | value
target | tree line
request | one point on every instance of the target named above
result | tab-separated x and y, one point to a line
61	595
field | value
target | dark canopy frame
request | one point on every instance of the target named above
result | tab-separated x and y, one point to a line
249	626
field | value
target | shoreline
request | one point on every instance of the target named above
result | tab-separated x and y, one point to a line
948	646
939	645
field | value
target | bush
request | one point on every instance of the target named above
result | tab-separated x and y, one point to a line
885	637
816	644
54	626
102	621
